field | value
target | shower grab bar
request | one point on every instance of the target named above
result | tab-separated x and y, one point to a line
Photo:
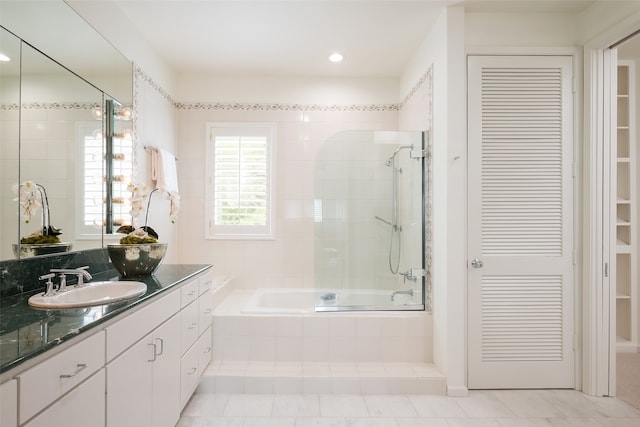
393	226
383	220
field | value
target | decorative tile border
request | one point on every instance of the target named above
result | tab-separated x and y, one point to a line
140	76
9	107
427	78
235	106
51	106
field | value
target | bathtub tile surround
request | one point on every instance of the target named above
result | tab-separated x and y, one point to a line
295	350
258	377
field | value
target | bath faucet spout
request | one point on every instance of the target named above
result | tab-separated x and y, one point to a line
407	292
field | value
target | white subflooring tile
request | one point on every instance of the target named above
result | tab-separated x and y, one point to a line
514	408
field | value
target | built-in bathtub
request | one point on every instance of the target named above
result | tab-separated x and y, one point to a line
273	340
282	324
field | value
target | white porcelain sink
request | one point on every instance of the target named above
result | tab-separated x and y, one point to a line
93	293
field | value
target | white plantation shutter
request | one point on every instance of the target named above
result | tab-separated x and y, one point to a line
239	195
520	222
240	180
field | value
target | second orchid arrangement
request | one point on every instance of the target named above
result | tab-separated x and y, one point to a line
140	204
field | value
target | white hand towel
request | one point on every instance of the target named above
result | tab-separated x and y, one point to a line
163	170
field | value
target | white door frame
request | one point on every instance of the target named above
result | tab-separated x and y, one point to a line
599	338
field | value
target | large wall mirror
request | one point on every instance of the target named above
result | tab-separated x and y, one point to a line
53	92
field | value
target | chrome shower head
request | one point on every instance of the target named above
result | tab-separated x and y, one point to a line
393	156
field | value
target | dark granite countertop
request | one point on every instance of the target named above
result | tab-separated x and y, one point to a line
26	332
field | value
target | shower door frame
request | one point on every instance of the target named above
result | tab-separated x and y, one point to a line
424	135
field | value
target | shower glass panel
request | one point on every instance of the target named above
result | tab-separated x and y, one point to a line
369	221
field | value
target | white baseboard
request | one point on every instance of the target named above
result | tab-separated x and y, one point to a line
460	391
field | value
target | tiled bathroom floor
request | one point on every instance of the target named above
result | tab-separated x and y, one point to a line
513	408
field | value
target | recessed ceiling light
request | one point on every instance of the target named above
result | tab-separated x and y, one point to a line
4	58
336	57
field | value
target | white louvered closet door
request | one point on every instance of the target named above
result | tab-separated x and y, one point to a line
520	262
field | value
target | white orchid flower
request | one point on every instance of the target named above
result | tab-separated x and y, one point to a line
29	199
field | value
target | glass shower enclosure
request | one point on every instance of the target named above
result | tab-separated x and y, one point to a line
369	221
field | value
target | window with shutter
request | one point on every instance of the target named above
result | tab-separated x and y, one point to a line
239	180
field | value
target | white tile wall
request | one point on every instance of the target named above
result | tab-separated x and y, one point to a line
288	260
156	126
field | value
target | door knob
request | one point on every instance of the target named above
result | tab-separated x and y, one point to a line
476	263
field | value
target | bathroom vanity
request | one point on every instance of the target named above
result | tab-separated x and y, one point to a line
146	355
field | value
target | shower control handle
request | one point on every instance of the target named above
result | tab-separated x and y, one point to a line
476	263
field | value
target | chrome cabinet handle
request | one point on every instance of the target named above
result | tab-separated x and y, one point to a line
161	346
79	367
192	326
192	371
155	354
476	263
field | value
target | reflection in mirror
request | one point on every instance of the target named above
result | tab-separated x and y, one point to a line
9	140
57	126
62	134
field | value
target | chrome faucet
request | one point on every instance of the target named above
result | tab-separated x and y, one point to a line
80	272
49	284
407	292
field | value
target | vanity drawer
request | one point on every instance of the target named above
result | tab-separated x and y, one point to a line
188	375
44	383
189	293
83	406
205	347
189	320
205	308
205	283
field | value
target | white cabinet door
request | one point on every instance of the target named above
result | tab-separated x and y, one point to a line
144	381
129	378
166	374
81	407
9	404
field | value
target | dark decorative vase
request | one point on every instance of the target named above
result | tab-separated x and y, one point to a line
135	260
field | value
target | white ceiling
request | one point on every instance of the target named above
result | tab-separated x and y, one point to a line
295	37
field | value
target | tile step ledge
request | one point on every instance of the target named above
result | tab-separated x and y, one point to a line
260	377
